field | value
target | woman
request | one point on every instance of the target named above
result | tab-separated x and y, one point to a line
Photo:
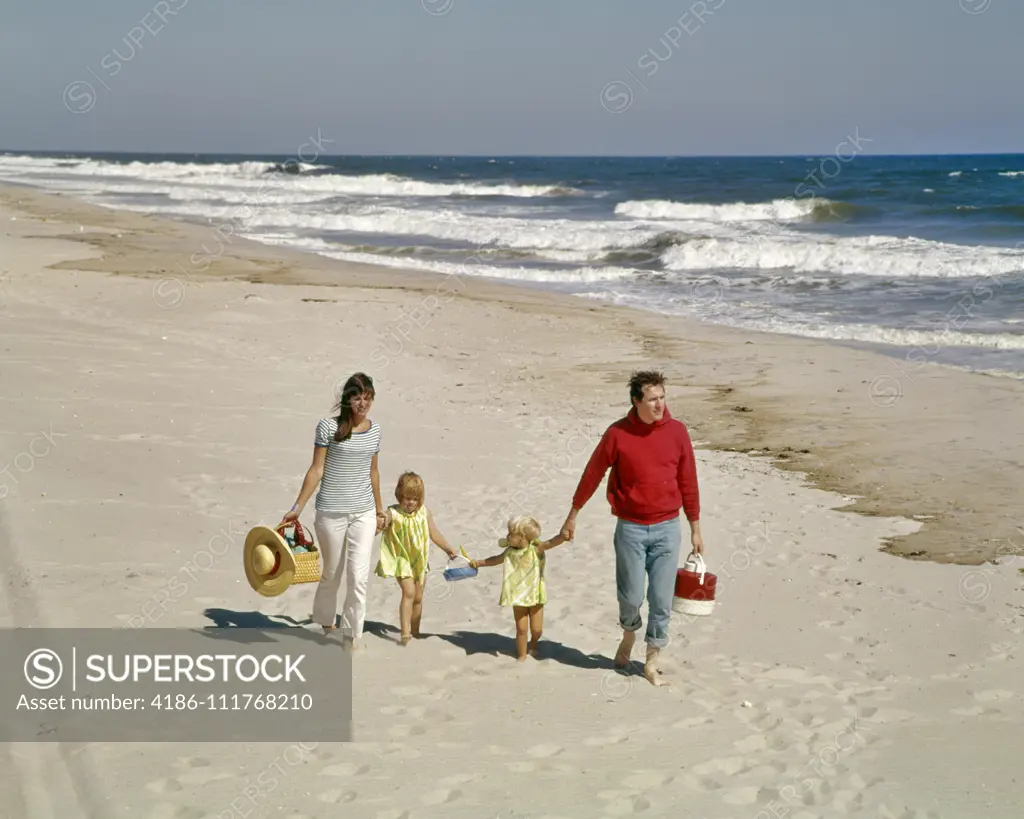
349	512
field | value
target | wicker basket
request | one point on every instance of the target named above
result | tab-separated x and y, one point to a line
305	552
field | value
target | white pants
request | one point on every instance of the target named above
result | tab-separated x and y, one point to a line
346	543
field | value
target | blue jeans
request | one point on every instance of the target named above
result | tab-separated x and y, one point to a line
647	553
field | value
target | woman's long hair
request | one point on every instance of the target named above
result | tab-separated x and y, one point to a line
357	384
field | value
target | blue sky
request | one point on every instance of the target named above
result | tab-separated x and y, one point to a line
524	77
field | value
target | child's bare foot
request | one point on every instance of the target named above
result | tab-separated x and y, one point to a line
625	649
651	671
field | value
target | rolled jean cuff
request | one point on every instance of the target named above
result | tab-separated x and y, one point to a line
657	641
633	625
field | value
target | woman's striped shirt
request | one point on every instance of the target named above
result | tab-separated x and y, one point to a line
345	485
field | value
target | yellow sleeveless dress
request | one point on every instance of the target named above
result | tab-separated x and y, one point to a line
523	583
405	545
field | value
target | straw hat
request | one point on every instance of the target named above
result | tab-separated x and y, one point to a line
269	562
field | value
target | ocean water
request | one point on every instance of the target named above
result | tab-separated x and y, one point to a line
919	257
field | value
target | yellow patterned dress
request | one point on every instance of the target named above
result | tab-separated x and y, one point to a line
405	545
523	583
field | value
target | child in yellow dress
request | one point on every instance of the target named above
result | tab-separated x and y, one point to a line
523	587
405	550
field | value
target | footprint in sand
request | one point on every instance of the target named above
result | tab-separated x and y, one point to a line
442	796
402	731
164	786
163	810
994	695
767	722
414	711
622	803
192	762
410	691
741	796
459	779
810	721
545	751
692	722
597	742
752	744
770	771
726	766
879	716
346	769
644	780
908	813
202	776
443	675
702	784
338	797
841	657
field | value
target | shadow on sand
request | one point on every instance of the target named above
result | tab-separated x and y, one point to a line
473	642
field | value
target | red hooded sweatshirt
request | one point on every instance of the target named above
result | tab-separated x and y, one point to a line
653	471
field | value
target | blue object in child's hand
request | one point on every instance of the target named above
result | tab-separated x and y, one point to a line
460	573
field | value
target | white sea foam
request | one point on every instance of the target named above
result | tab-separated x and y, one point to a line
580	275
566	235
255	174
925	341
578	242
779	210
867	256
471	268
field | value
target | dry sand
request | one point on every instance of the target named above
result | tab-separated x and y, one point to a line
833	679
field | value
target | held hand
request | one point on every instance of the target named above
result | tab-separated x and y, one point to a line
381	522
569	528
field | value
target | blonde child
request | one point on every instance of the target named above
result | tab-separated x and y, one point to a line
405	549
523	587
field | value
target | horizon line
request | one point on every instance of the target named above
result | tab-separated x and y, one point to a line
253	154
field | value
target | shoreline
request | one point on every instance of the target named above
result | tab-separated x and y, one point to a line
933	444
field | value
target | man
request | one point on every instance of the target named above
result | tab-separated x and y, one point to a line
653	474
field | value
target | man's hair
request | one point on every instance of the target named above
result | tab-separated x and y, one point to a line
644	378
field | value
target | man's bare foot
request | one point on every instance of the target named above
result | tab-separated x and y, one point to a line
651	671
625	649
416	635
404	639
533	651
521	659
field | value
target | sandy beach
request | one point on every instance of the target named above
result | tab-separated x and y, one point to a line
863	657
